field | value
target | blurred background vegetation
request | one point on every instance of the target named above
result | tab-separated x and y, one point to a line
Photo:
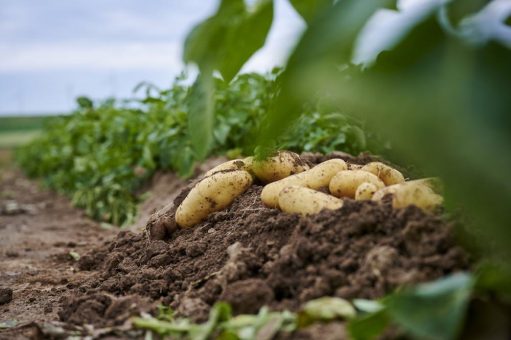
104	152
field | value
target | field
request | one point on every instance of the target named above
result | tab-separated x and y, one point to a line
16	131
359	192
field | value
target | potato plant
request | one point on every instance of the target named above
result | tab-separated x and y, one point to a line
102	153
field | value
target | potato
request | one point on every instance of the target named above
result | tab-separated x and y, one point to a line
305	201
212	193
315	178
418	192
249	163
235	164
282	165
387	174
345	183
365	191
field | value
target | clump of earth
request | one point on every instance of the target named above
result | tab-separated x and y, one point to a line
250	255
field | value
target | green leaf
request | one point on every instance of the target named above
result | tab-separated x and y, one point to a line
329	308
493	276
369	326
367	306
309	9
225	41
162	327
432	310
219	313
201	114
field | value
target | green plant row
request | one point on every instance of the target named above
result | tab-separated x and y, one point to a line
102	153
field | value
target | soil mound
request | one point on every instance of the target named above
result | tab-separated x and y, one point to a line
251	256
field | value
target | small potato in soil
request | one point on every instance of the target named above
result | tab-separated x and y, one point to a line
418	193
345	183
283	164
365	191
305	201
315	178
387	174
235	164
212	193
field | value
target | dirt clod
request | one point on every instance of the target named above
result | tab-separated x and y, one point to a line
5	295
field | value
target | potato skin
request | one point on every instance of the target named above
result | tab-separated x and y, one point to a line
235	164
305	201
283	164
418	193
345	183
315	178
387	174
365	191
212	193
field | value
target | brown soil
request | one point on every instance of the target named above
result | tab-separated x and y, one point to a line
248	255
38	229
251	256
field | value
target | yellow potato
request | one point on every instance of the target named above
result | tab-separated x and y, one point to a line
365	191
345	183
249	163
315	178
418	192
282	165
235	164
305	201
212	193
387	174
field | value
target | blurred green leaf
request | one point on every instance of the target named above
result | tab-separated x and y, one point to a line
328	308
84	102
225	41
369	326
432	310
367	306
309	9
219	313
494	277
201	114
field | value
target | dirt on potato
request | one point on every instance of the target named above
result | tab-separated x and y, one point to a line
250	255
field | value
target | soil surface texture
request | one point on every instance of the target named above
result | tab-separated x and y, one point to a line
250	255
38	231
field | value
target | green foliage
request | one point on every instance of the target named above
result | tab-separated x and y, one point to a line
104	152
220	325
309	9
325	132
325	309
433	310
31	123
201	114
225	41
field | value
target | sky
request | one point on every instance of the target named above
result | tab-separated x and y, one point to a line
55	50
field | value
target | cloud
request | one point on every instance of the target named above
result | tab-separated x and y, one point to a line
96	56
51	50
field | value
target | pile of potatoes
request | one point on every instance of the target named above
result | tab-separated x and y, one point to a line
293	187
